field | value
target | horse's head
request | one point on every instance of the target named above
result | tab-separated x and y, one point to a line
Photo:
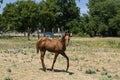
67	38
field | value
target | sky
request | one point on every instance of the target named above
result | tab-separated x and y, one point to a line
81	5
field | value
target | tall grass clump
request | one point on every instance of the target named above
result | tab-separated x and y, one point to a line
90	71
113	43
105	78
8	78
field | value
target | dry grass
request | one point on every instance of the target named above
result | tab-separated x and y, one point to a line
90	59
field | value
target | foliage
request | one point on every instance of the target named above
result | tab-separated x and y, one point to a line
58	13
47	14
103	18
8	78
1	1
20	15
90	71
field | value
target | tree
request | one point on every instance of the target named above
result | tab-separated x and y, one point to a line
102	15
74	26
1	1
47	16
9	17
57	13
0	21
26	15
114	23
21	16
70	12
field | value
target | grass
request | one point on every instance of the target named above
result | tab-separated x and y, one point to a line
90	58
90	71
8	78
97	42
93	45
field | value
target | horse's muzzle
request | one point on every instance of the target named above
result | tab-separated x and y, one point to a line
67	44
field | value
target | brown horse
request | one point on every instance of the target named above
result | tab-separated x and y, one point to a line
55	46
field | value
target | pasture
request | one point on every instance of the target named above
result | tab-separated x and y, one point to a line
90	59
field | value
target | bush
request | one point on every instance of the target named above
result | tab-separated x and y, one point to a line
90	71
118	33
8	78
82	34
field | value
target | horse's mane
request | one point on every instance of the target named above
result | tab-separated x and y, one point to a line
62	38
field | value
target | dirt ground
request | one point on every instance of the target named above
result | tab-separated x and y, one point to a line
101	64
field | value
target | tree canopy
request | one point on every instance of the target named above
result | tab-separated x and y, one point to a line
102	19
46	14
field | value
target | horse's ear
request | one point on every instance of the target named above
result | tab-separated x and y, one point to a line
67	33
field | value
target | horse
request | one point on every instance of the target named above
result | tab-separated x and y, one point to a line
56	46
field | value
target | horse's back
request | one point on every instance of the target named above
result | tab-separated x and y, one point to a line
42	42
50	44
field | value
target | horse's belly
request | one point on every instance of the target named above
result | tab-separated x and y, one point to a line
55	50
54	47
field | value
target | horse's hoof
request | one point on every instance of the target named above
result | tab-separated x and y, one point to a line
44	70
52	69
66	70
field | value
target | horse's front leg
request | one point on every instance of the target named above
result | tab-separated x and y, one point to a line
42	60
55	57
63	54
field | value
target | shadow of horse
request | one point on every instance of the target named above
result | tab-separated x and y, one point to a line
58	71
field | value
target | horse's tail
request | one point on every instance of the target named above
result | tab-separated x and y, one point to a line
39	42
37	47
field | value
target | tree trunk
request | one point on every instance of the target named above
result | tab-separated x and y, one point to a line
28	33
38	33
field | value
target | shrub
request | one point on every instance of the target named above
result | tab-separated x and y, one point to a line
8	78
90	71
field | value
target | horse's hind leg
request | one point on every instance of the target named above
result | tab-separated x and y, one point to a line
55	57
42	60
63	54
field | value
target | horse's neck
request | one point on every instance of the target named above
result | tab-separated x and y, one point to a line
62	40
